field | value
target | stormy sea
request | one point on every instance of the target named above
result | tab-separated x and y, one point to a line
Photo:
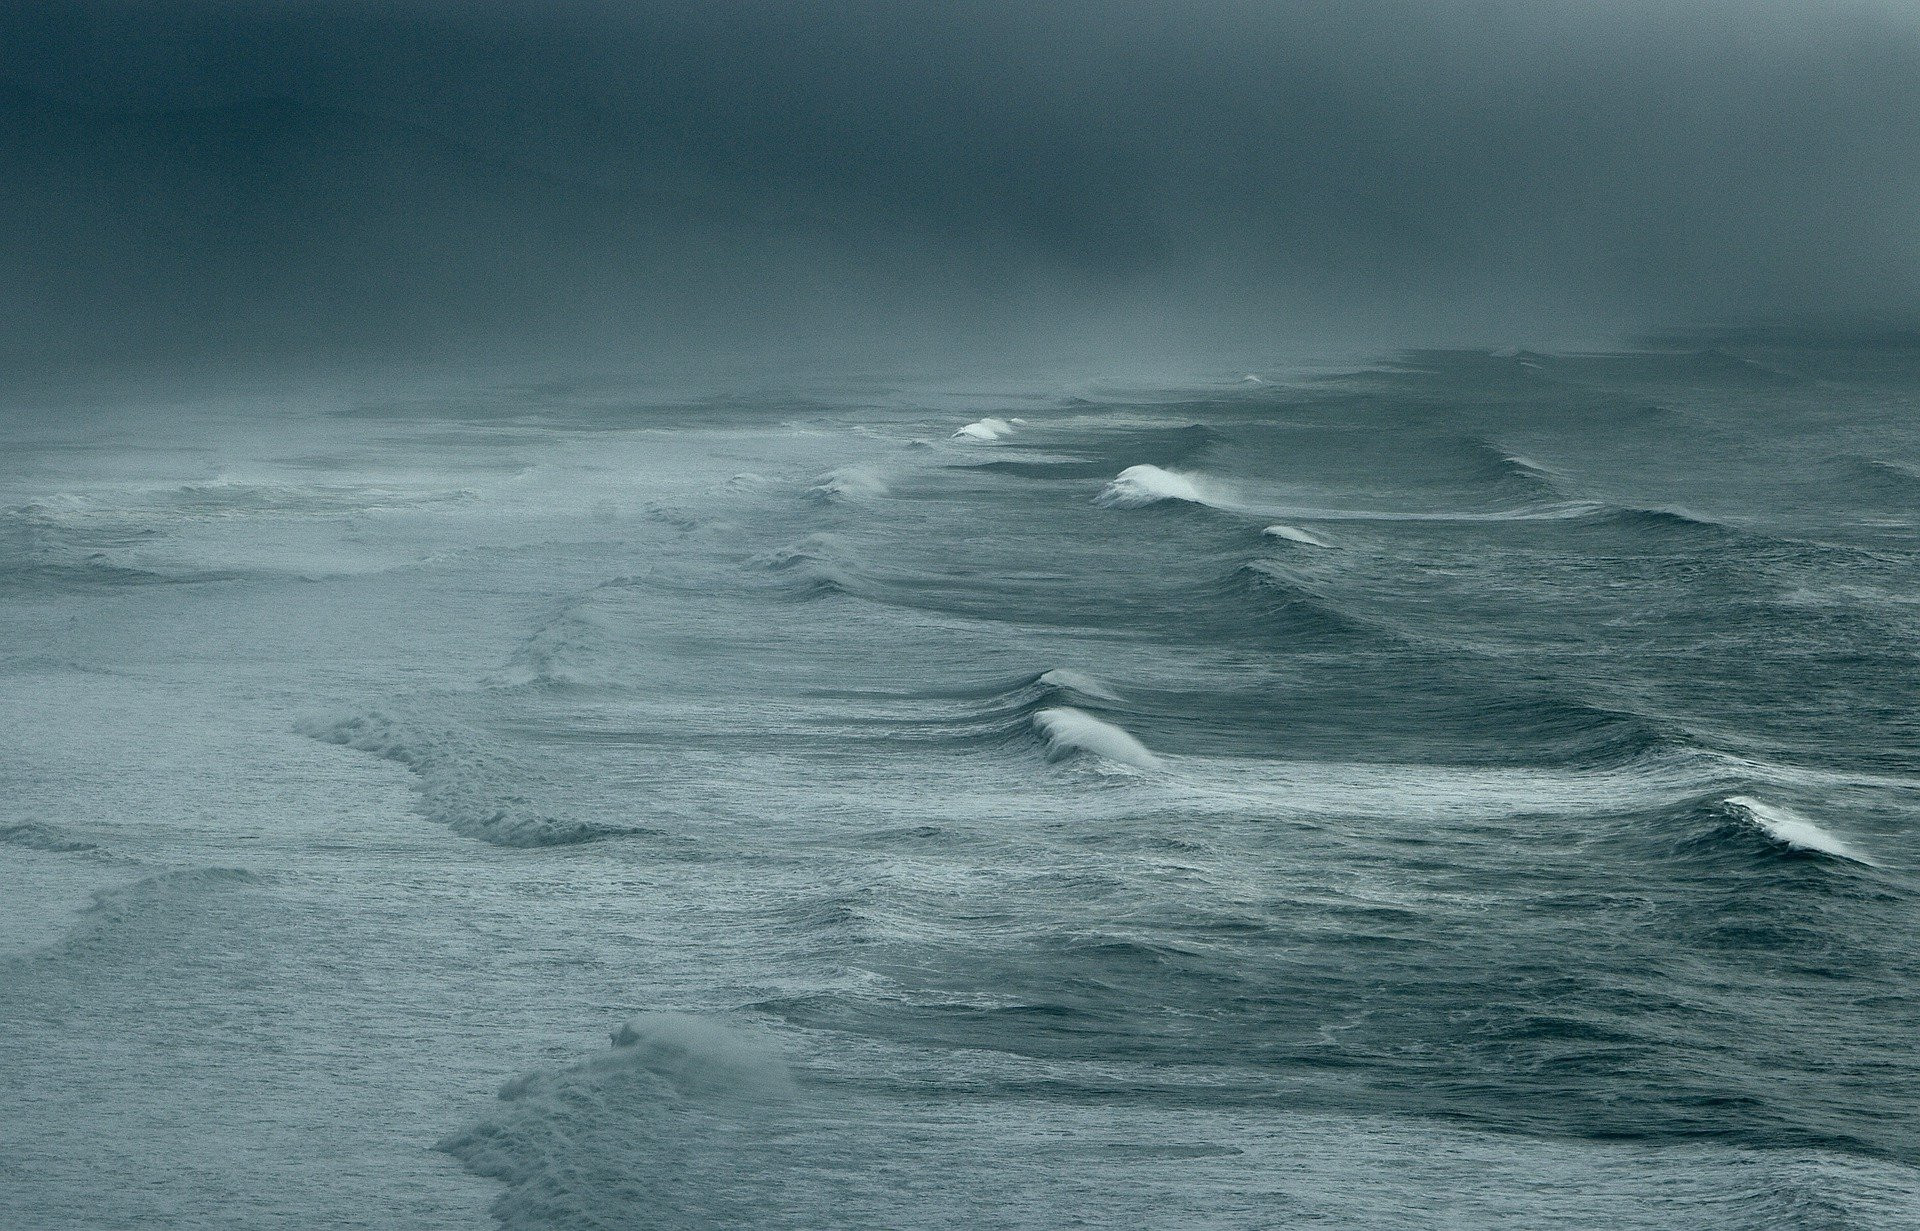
1459	789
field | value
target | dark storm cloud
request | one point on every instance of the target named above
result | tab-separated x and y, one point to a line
356	176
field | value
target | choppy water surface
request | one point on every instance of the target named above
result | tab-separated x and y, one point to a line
1477	791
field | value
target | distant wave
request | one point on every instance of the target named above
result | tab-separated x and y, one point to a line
1790	829
1513	475
1023	695
848	484
1665	520
461	785
988	429
1294	534
1551	511
39	836
1144	485
1070	732
570	649
236	498
1294	609
1899	480
810	568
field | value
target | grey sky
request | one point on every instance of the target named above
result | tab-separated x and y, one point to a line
332	178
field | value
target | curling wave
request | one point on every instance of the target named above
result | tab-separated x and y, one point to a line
1787	828
987	429
1139	486
1071	732
1294	534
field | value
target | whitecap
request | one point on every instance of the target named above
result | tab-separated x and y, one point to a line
1790	829
1295	534
1138	486
990	428
1069	731
849	483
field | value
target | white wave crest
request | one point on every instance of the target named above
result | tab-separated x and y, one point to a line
1294	534
1790	829
1069	731
848	483
1137	486
990	428
1068	680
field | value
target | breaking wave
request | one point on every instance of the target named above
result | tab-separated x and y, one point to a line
1294	534
811	568
675	1125
1072	732
572	648
1139	486
461	784
1791	830
987	429
849	484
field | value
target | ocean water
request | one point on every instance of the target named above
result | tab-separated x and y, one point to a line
1469	791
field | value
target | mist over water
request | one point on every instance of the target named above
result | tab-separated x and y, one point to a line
959	615
219	186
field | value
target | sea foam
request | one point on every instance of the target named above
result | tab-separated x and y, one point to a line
1069	732
990	428
1790	829
1137	486
849	483
676	1125
462	785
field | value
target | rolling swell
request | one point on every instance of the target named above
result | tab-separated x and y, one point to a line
39	836
1099	455
1886	479
463	785
573	648
1654	525
158	903
1281	604
813	567
1510	476
1056	711
65	545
